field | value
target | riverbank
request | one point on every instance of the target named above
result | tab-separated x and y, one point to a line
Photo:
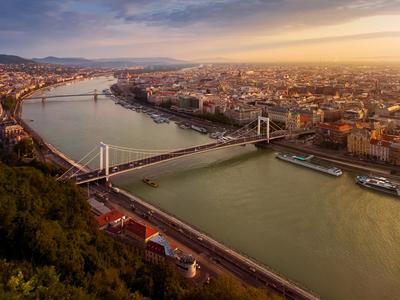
332	157
179	117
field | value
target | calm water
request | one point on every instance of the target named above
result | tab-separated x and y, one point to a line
326	233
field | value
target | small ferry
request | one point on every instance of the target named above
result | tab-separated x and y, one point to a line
150	182
380	184
306	162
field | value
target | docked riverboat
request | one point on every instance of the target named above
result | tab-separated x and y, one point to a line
380	184
306	162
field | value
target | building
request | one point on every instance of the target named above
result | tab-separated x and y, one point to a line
158	250
97	207
112	218
242	115
332	135
293	121
139	233
394	153
355	114
186	264
388	111
278	114
359	142
380	150
12	133
155	248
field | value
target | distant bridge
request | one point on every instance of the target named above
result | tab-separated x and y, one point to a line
125	159
93	94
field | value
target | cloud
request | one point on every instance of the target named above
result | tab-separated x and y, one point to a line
330	39
269	15
133	25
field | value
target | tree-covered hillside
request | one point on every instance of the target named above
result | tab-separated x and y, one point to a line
51	249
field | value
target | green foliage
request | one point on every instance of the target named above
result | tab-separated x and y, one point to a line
51	248
226	288
9	103
24	148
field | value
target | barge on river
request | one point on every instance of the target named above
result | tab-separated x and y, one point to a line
306	162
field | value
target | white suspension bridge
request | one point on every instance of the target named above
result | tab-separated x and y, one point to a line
115	160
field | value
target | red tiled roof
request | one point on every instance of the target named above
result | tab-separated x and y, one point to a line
155	247
336	126
142	230
109	217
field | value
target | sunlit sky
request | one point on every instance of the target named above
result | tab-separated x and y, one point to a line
229	30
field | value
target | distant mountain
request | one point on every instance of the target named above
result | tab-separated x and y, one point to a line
209	60
124	62
69	61
13	59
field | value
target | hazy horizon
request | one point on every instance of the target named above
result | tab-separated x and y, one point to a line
254	31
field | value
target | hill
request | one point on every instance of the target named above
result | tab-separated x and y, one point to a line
69	61
13	59
52	249
124	62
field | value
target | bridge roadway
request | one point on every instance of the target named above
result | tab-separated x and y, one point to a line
66	95
156	159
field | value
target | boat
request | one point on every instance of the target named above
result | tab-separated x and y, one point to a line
150	182
199	129
183	126
380	184
306	162
158	120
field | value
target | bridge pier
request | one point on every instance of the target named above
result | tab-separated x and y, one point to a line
95	95
43	99
266	120
104	155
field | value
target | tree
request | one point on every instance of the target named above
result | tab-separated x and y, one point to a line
24	148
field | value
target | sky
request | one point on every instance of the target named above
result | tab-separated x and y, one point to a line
225	30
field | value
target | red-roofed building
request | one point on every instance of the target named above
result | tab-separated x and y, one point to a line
154	253
139	233
111	218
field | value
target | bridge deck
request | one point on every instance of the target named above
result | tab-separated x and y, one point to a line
137	164
66	95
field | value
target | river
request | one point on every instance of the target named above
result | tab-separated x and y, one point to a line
327	233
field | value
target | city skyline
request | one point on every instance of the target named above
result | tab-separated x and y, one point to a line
226	30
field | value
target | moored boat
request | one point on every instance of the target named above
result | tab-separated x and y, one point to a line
150	182
306	162
380	184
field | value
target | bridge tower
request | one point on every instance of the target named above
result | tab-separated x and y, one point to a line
95	95
260	121
104	159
